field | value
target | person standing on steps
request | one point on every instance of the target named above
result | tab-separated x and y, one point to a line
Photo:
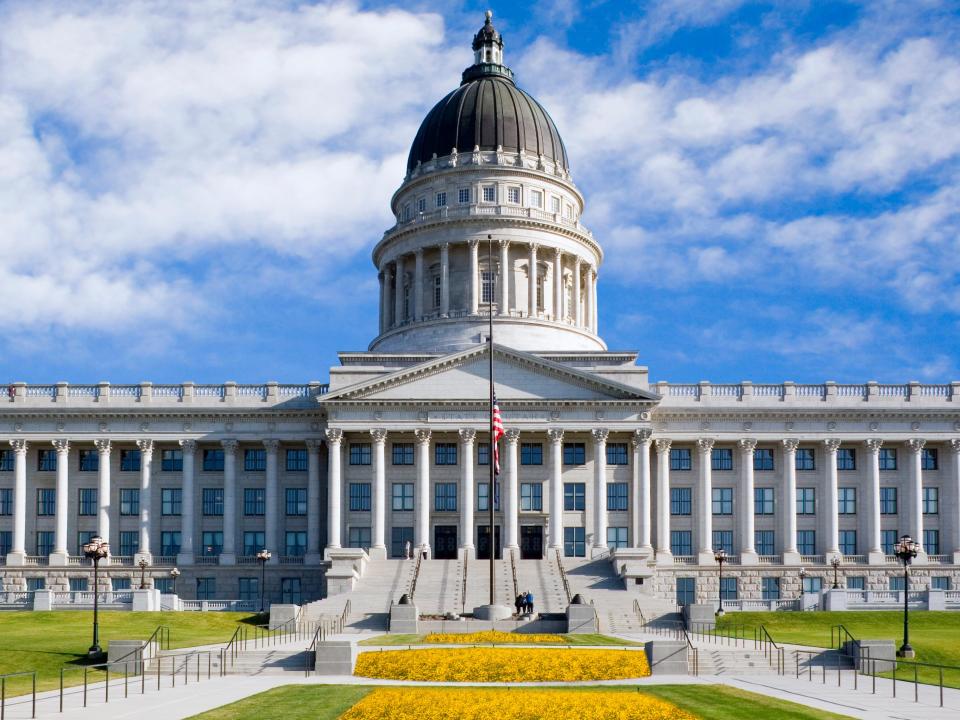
529	602
406	549
518	603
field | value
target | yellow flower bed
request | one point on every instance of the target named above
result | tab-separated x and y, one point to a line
503	665
486	703
493	636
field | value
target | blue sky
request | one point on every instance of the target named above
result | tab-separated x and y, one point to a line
190	191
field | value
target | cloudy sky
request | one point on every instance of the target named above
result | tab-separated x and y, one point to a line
190	191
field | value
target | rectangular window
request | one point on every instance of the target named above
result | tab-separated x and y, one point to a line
255	459
531	497
483	453
295	543
806	501
616	537
807	542
489	193
171	501
445	453
888	541
940	582
290	592
37	583
163	585
88	501
47	460
681	542
437	291
805	459
574	542
896	583
848	542
686	590
360	497
421	205
212	543
486	287
929	459
249	589
888	501
254	501
888	459
7	461
445	497
253	542
206	588
359	453
213	460
119	584
931	501
763	459
296	501
83	537
554	204
6	501
846	459
441	200
763	501
856	582
6	541
171	460
399	537
721	459
402	453
763	542
617	496
130	460
723	540
129	501
402	496
359	537
536	198
46	502
483	503
770	588
45	542
79	584
574	454
728	588
89	461
531	454
212	501
463	195
297	460
847	500
513	195
680	459
129	542
574	496
681	501
722	501
170	542
931	542
617	453
812	585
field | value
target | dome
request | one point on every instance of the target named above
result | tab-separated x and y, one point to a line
487	111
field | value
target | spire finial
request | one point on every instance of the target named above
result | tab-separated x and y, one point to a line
489	16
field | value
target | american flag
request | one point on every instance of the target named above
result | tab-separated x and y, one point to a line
497	423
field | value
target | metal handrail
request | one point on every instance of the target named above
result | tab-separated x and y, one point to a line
563	576
841	631
416	574
513	571
463	589
161	635
637	611
322	630
232	648
770	649
733	633
33	691
693	648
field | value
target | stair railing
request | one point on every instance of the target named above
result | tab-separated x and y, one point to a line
693	661
463	589
416	574
228	653
513	571
773	652
563	576
639	613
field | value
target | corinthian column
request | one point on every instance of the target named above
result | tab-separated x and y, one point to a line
600	490
875	554
790	554
18	553
664	553
915	458
387	305
313	502
103	491
146	500
334	483
532	278
748	553
271	511
378	547
187	522
467	437
953	488
398	295
558	285
417	308
832	520
422	499
577	304
504	277
228	556
473	295
556	487
61	553
641	501
511	498
445	280
705	502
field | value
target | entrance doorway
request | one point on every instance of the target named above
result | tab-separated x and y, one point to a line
445	542
531	542
483	542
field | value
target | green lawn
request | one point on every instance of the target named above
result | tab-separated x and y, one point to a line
708	702
574	639
47	641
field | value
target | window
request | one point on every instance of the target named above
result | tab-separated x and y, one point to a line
406	213
686	590
574	542
806	501
255	459
290	593
402	496
441	199
489	193
929	459
531	497
763	459
513	195
531	454
6	501
681	542
723	540
249	588
721	459
129	501
888	459
213	501
87	501
445	497
681	501
846	459
45	542
297	460
6	541
812	584
482	496
680	459
574	454
770	588
399	537
463	195
568	211
359	453
847	500
359	537
540	280
486	290
445	453
574	496
888	501
940	582
536	198
119	584
402	453
213	460
34	584
46	502
89	461
616	537
896	583
296	501
554	204
253	542
728	588
83	537
7	461
206	588
360	498
805	459
888	541
807	542
79	584
254	501
763	542
171	500
763	501
856	582
130	461
421	205
171	460
848	542
483	453
47	460
295	543
437	291
722	501
616	453
617	494
129	542
931	542
170	542
164	585
931	501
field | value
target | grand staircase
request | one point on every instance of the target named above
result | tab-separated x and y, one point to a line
382	584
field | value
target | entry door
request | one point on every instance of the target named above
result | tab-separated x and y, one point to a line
445	542
531	542
483	542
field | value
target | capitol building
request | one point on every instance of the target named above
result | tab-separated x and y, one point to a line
600	463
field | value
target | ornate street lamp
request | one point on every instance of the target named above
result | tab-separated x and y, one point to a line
720	555
906	550
143	565
174	574
836	564
96	550
263	557
803	576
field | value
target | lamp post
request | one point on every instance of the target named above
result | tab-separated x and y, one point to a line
174	574
720	555
96	550
836	564
803	576
906	550
263	557
143	564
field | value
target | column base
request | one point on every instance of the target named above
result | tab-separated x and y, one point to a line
227	559
706	557
792	558
876	557
59	559
143	556
829	555
664	557
467	552
377	552
749	558
16	559
185	558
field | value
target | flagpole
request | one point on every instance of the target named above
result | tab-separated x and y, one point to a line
492	490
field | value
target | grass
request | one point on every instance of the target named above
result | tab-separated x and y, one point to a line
588	639
708	702
49	641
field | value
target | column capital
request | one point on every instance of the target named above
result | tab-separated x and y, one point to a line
600	435
444	247
555	435
873	445
790	445
230	445
146	448
418	253
503	243
62	446
188	446
663	445
468	435
423	435
705	445
641	436
272	445
379	435
747	445
103	446
915	445
313	444
473	243
954	446
831	445
19	446
534	247
512	435
334	435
